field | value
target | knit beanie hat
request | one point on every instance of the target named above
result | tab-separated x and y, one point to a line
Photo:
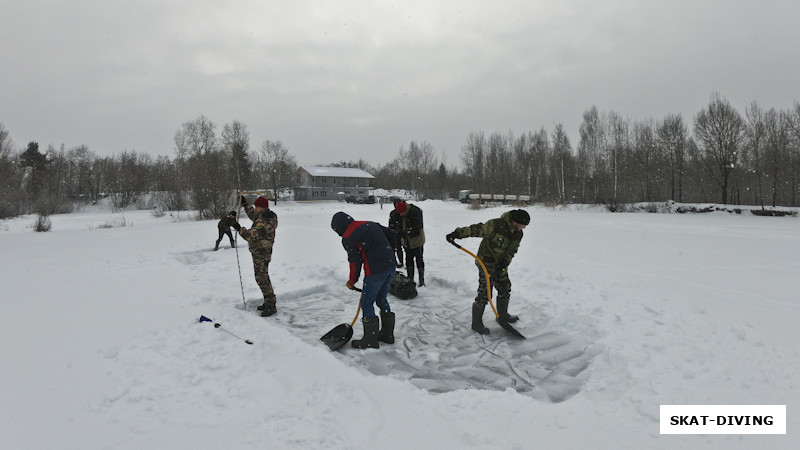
401	207
261	202
520	216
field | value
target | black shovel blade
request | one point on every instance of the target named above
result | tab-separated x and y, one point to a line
511	330
338	336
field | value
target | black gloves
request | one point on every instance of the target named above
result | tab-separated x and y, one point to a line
236	226
451	237
243	200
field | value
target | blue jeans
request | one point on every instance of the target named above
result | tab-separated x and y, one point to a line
374	292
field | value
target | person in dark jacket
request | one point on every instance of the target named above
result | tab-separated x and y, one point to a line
224	227
261	238
370	245
395	224
413	237
501	239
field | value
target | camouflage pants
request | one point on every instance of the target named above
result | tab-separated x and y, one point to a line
261	268
500	282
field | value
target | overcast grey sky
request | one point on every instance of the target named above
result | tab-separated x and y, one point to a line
343	80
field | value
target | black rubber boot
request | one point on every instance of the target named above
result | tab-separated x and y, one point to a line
267	309
386	334
477	319
410	272
370	339
421	276
502	310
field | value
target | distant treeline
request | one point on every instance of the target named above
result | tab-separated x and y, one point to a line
722	156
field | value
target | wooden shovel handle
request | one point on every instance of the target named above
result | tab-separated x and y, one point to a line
359	307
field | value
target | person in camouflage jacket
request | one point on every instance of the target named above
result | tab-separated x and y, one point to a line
224	227
501	239
260	238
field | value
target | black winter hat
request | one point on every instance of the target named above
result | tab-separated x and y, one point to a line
521	216
340	222
232	213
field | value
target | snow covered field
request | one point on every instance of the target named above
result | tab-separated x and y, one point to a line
102	347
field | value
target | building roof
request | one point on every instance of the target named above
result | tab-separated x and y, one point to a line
343	172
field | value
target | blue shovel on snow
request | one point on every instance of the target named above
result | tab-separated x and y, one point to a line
216	325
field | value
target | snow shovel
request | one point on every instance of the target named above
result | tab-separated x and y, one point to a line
503	323
341	334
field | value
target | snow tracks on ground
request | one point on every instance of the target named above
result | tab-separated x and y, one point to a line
436	350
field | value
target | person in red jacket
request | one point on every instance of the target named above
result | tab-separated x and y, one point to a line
371	246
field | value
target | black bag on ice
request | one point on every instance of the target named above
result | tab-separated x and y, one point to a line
403	287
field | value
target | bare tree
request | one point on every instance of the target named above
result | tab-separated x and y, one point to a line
169	192
590	167
795	153
616	148
473	157
418	167
196	138
647	159
497	163
756	131
720	131
539	150
12	200
236	140
778	143
389	175
277	166
204	168
127	177
80	159
524	170
5	141
672	136
562	156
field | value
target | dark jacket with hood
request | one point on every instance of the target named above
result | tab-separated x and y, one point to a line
367	243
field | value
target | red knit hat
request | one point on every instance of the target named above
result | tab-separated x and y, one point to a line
400	207
261	202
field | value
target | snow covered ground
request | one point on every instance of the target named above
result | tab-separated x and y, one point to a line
102	346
